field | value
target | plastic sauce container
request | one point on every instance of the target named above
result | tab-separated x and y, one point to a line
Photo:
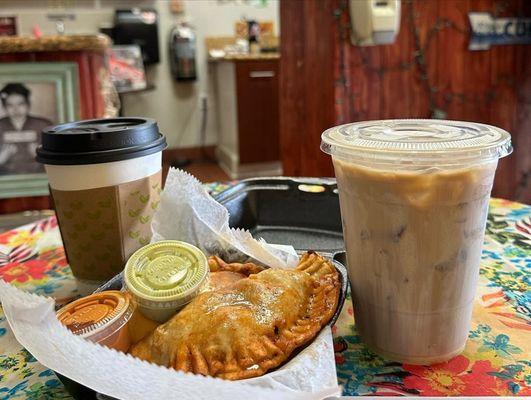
101	317
163	277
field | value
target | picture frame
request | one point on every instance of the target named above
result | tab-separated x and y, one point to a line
42	80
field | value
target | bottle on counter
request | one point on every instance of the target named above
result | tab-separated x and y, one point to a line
253	29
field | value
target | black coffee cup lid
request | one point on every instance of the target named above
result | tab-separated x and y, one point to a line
97	141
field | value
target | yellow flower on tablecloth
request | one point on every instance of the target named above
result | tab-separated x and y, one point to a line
15	366
54	255
474	351
506	204
28	271
21	237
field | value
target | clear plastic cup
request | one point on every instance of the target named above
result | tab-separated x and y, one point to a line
164	276
414	198
101	317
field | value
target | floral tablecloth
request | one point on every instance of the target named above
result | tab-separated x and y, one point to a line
496	361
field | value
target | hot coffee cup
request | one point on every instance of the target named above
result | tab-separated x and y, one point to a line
105	181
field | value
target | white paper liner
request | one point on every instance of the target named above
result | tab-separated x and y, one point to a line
189	214
310	375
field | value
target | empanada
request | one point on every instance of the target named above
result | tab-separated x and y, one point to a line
221	279
216	264
252	326
223	274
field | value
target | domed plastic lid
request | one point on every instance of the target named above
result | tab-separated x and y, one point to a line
417	140
97	313
166	271
100	141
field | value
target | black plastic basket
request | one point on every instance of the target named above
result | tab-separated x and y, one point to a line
282	211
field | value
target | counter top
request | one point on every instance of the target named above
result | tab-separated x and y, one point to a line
245	57
26	44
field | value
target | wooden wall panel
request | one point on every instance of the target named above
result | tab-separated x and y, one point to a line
306	85
450	45
478	67
396	80
425	15
428	72
523	125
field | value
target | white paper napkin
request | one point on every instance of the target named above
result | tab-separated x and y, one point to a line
310	375
188	213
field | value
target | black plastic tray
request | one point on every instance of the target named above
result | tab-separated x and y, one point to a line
302	212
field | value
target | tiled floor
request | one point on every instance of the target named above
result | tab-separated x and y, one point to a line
205	171
202	163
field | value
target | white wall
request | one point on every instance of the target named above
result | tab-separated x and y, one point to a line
176	106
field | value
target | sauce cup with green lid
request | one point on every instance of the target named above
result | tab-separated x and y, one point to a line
164	276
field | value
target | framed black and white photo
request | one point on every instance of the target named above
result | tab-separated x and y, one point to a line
32	97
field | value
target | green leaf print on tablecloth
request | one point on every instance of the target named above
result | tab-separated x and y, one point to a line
497	229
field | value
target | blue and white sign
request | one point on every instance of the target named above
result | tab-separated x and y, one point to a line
487	31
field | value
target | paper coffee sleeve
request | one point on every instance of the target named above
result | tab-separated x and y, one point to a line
102	227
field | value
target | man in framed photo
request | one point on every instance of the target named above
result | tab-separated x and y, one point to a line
19	131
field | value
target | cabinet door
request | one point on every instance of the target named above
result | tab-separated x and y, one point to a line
258	119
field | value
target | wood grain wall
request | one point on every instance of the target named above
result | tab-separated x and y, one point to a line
306	84
427	73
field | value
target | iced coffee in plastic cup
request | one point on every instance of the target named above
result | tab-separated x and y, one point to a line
105	181
414	197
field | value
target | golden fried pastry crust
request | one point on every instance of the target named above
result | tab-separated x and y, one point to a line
250	327
217	264
221	279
